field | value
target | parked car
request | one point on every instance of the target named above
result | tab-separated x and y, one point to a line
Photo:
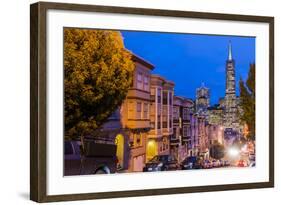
190	162
252	164
215	163
252	157
161	163
241	163
221	163
207	164
226	163
92	158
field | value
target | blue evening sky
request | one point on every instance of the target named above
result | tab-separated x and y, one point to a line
190	59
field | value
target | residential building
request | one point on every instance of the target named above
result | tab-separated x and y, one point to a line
135	116
130	124
194	149
161	123
180	141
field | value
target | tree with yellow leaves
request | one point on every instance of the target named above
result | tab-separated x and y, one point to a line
97	76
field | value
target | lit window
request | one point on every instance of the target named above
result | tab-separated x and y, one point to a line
137	140
130	110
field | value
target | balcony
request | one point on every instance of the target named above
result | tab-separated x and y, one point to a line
136	123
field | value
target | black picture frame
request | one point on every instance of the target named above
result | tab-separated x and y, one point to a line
38	100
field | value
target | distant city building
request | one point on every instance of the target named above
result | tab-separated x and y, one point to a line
215	115
215	134
202	99
230	100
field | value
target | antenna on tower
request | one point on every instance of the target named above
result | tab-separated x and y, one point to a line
229	51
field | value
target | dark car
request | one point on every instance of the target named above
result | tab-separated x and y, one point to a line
161	163
94	158
190	162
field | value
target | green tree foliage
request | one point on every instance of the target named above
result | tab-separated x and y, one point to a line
247	101
97	76
217	150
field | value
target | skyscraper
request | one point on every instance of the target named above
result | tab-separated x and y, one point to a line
230	92
202	99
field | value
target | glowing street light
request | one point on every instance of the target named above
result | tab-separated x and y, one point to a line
233	152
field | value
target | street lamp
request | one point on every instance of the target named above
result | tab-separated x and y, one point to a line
233	152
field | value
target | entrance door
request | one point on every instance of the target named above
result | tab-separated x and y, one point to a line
138	163
119	141
151	149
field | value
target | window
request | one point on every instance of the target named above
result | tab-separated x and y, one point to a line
152	94
138	110
176	113
138	106
184	131
188	131
170	121
164	110
165	97
130	110
146	83
139	81
170	98
175	132
137	140
164	121
158	122
152	122
152	109
145	111
159	95
185	114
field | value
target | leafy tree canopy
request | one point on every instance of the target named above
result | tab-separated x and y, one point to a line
247	101
217	150
97	76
